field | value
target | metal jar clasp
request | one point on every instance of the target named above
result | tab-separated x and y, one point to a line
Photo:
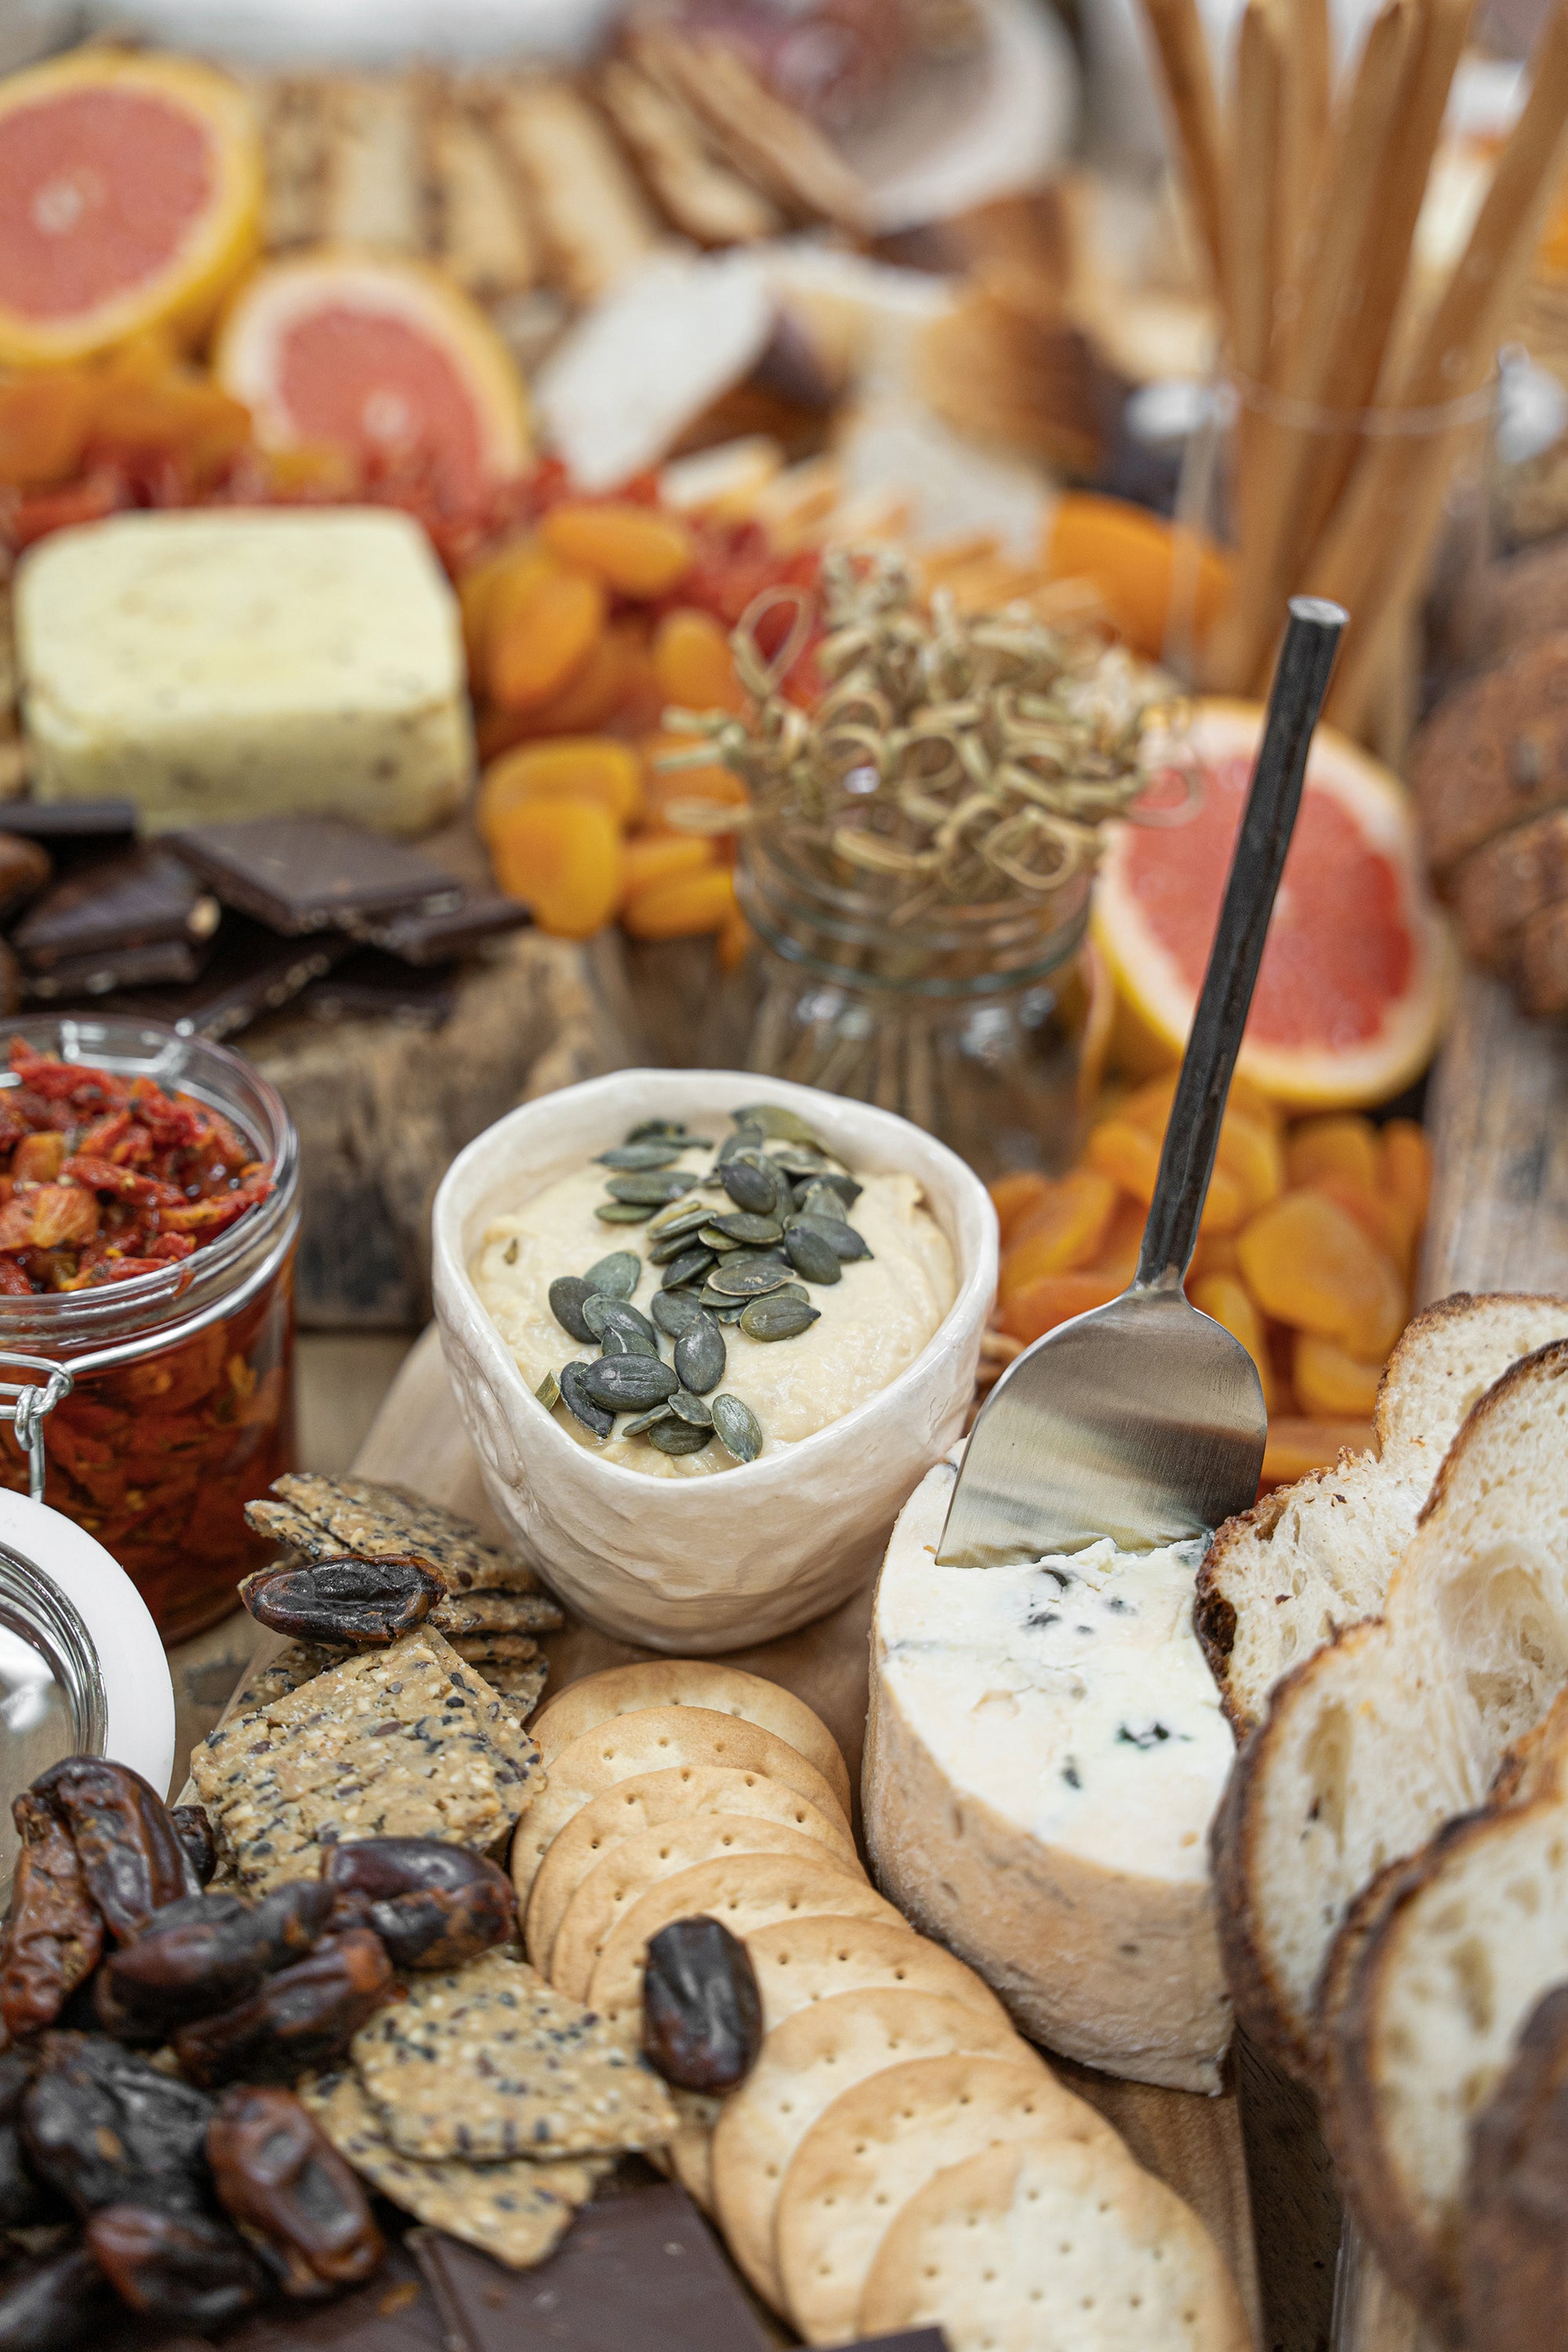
27	1404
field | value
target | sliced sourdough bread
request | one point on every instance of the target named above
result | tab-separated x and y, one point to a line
1315	1557
1514	2252
1401	1723
1429	2014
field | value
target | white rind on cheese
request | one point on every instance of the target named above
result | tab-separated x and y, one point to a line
1045	1753
246	664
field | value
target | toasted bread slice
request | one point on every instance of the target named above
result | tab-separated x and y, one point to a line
1436	1993
1283	1578
1400	1724
1514	2250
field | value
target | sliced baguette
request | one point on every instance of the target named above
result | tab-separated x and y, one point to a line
1283	1578
1401	1723
1515	2241
1436	1993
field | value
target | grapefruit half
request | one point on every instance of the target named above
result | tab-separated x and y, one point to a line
130	199
1356	973
385	358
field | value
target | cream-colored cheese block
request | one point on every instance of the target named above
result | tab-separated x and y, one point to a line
1045	1752
246	664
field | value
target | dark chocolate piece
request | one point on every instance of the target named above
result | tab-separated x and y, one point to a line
250	972
132	899
908	2339
25	867
427	938
298	874
377	987
71	823
164	960
640	2269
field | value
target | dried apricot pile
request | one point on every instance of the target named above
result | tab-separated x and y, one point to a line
1306	1253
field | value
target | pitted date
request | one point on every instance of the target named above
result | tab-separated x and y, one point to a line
364	1605
103	2127
194	1832
204	1954
24	2202
279	2178
304	2016
181	2268
434	1906
54	1934
131	1850
54	2304
702	2012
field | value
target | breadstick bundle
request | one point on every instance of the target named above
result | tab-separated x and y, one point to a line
1358	389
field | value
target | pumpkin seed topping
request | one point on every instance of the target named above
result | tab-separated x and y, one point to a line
778	1319
676	1436
629	1384
578	1403
739	1431
701	1355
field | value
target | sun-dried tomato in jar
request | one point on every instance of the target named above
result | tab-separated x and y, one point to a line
148	1217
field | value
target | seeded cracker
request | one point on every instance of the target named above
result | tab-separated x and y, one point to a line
500	1649
516	2212
322	1516
519	1686
402	1742
494	1612
486	2061
301	1661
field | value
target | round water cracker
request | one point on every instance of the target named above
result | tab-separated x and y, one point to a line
688	2155
746	1892
656	1739
694	1682
1066	2242
807	2063
646	1803
799	1961
640	1862
880	2143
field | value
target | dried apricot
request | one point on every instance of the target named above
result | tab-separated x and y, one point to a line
1062	1232
693	663
637	550
1135	559
1331	1382
1120	1243
734	942
1231	1304
1308	1262
682	906
183	414
1131	1159
562	859
660	857
572	767
1056	1299
1407	1165
1295	1447
45	421
534	646
1382	1216
1344	1145
1013	1194
1216	1254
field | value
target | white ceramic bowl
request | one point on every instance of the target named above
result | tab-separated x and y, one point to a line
703	1564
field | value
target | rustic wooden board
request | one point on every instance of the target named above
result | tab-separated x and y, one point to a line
1193	2143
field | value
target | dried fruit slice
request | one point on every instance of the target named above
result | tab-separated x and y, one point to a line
1354	978
382	357
130	199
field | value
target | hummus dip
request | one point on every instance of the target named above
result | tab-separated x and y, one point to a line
874	1321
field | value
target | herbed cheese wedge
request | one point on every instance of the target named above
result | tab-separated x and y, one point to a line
1045	1752
246	664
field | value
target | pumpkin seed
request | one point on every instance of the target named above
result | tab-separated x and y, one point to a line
603	1315
616	1276
629	1384
667	1130
778	1319
845	1187
674	1311
748	1136
712	1238
686	1267
840	1236
820	1199
649	1191
665	1252
645	1422
784	1126
748	1281
753	1184
739	1431
748	1226
578	1403
549	1391
799	1159
621	1213
695	1410
567	1294
625	1343
681	1216
674	1436
700	1355
811	1255
629	1156
723	1310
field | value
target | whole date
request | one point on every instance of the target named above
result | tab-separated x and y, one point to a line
278	2177
434	1906
204	1954
182	2268
54	1934
702	2011
304	2016
102	2127
130	1849
361	1605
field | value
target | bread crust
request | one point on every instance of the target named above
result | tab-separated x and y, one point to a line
1494	753
1514	2248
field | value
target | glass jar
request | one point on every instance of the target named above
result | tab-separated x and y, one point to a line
165	1404
968	1020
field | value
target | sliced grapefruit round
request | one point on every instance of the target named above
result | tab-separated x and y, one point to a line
130	199
1355	975
385	358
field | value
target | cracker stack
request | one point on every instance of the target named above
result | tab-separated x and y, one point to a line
896	2137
